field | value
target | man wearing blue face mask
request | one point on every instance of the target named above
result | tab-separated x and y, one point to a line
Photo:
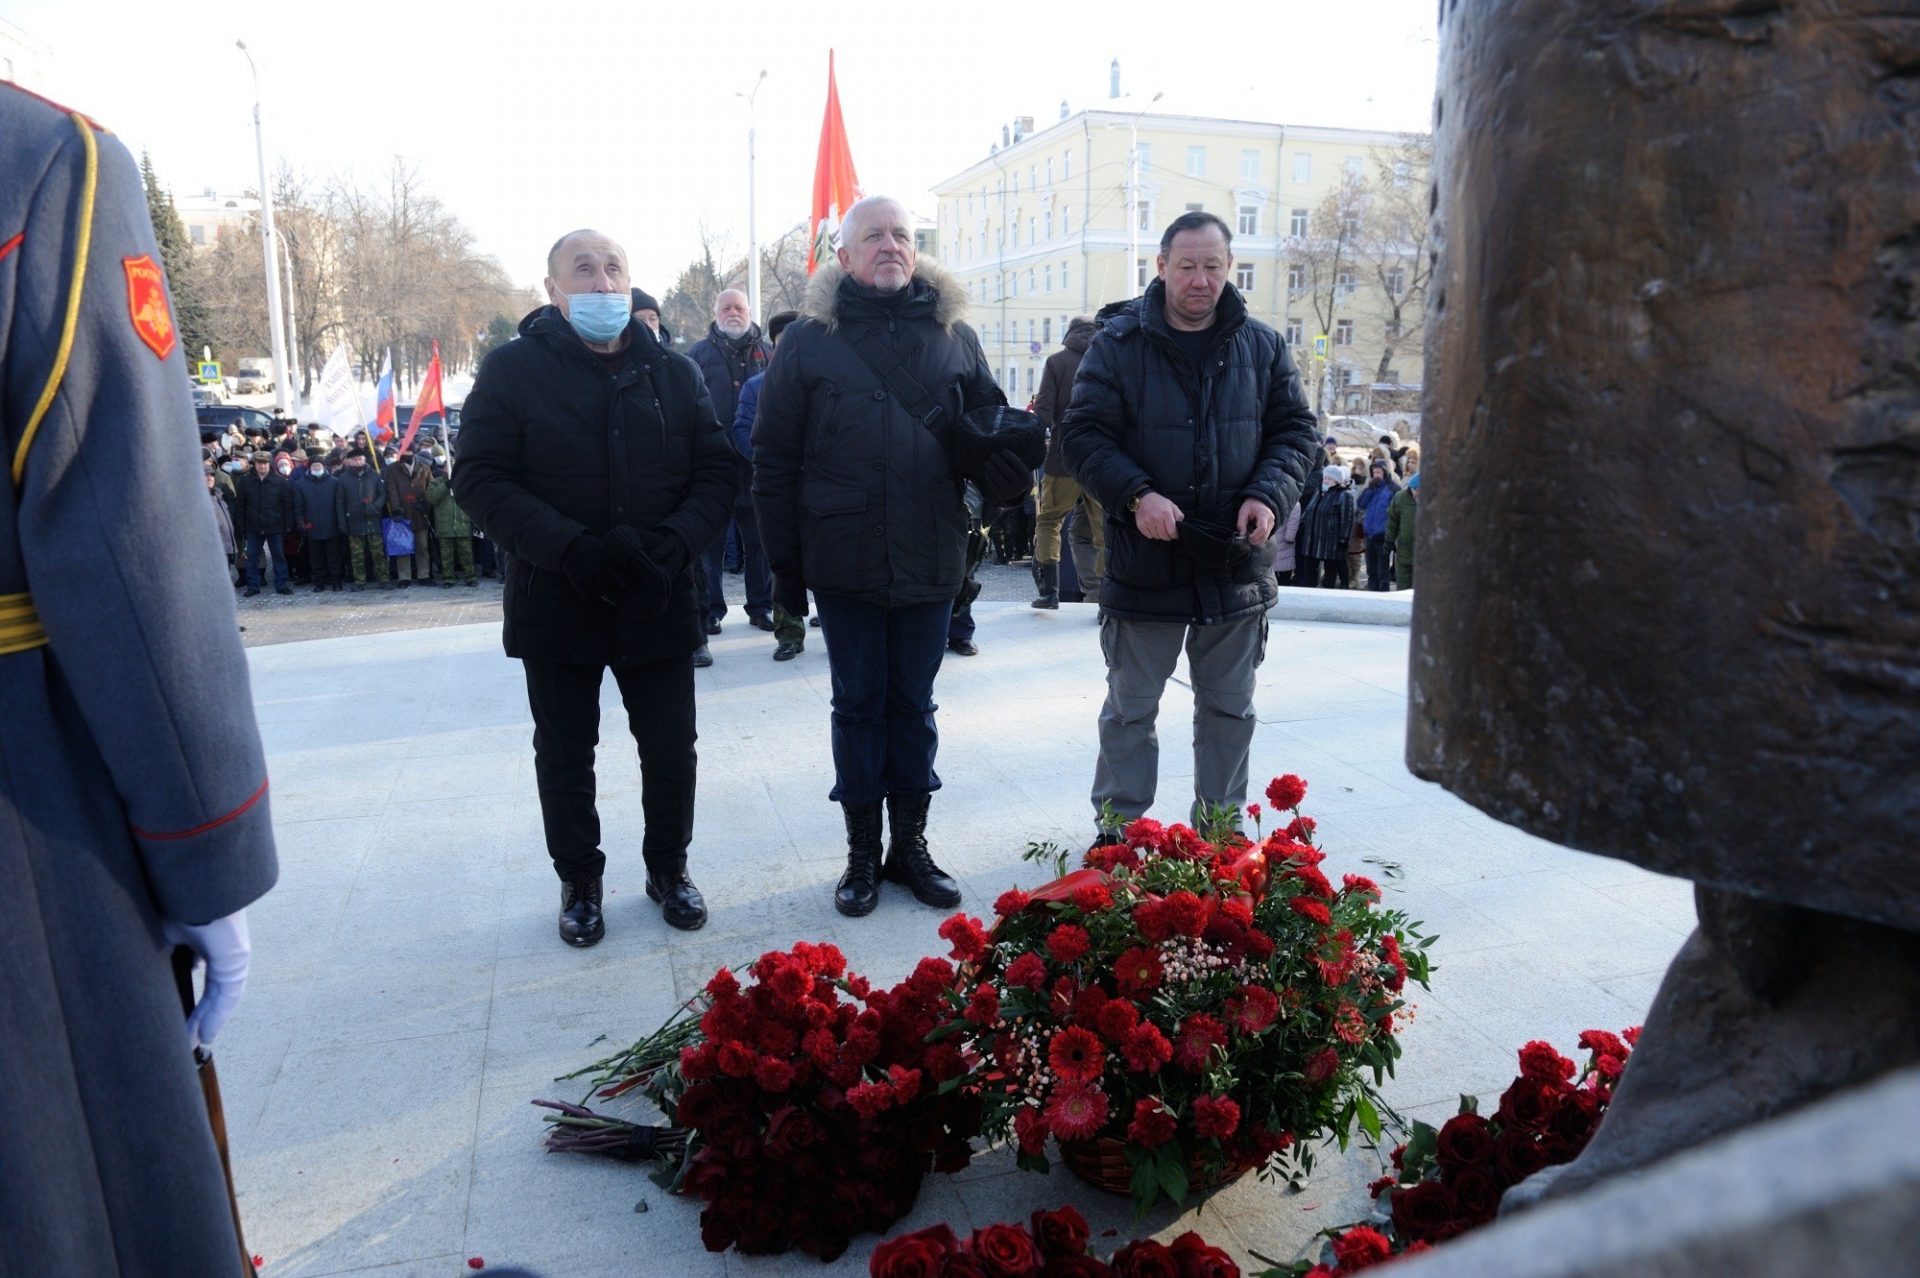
591	454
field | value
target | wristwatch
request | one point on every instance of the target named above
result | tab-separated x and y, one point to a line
1133	506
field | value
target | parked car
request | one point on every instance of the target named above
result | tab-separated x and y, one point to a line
430	424
254	377
207	393
216	418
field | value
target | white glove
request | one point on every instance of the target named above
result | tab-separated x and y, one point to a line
225	948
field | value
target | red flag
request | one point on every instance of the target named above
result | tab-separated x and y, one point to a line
428	400
835	185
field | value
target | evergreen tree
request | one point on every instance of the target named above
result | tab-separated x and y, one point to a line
176	259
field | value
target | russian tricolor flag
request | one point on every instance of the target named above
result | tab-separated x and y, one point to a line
383	416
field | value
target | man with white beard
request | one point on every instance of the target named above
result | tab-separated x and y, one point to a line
732	351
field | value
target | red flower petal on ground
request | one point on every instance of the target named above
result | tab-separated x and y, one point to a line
1146	1050
1152	1125
1309	908
1069	943
1215	1116
473	1262
1077	1111
1077	1055
1195	1040
1028	971
1138	971
1286	792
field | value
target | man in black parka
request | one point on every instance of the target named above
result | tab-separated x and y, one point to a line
591	455
1189	427
858	502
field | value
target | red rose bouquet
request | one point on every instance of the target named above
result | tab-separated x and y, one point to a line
1054	1246
1197	1005
1449	1180
806	1106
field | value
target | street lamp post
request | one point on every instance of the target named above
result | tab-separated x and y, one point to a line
1133	193
753	238
275	322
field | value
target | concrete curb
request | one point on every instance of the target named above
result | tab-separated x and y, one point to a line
1354	607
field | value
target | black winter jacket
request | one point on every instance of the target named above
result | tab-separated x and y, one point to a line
848	488
1056	388
262	505
1326	525
727	363
1206	439
553	445
359	501
316	506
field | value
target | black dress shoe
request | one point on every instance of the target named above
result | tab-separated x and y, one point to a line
702	657
908	861
581	923
283	590
681	904
713	626
760	621
787	651
814	621
251	591
859	888
964	647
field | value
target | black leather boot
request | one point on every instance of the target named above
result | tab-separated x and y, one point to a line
580	921
908	860
859	888
1046	579
681	904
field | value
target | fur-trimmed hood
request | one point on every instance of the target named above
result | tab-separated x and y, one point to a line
823	293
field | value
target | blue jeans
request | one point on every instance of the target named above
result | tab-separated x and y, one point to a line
883	661
275	544
753	566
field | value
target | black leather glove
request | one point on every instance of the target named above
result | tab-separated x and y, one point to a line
589	567
790	593
643	585
1005	479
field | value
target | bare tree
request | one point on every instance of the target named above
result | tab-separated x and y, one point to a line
1393	251
1328	256
687	308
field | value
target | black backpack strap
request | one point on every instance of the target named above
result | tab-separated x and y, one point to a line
891	369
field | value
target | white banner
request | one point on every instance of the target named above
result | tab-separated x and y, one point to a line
335	398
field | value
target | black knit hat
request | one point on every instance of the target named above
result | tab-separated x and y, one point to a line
986	431
643	301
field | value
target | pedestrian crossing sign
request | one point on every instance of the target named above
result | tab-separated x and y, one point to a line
209	371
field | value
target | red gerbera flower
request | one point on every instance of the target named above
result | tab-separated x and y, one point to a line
1286	792
1077	1111
1068	943
1252	1009
1138	971
1195	1040
1215	1116
1146	1050
1077	1055
1309	908
1029	970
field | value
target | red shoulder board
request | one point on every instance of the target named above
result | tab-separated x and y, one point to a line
60	107
147	304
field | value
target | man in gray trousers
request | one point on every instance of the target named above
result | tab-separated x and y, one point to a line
1189	426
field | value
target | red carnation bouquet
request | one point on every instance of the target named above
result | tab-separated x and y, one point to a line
805	1106
1450	1179
1053	1246
1199	1006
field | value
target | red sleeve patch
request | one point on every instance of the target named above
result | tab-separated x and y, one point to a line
10	245
147	304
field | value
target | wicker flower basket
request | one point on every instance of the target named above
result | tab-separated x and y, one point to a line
1102	1163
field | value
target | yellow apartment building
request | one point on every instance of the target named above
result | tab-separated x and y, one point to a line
1040	231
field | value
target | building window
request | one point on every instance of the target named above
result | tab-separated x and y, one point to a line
1066	165
1343	332
1296	278
1353	166
1013	379
1016	181
1196	208
1196	161
1032	329
197	234
1140	276
1013	283
1049	170
1063	275
1033	176
1297	223
1396	282
1249	166
1350	223
1033	229
1302	166
1345	376
1046	331
1296	332
1249	219
1029	381
1048	223
1402	173
1013	231
1066	218
1030	281
1144	218
1393	331
1046	277
1243	277
1143	156
1343	284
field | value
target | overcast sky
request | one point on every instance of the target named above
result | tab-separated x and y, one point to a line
531	119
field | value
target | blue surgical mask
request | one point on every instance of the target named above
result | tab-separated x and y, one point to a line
599	317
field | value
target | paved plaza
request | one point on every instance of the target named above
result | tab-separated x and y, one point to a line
409	995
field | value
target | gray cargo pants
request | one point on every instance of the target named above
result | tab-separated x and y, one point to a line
1221	660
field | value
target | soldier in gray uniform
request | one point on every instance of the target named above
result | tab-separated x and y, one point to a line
133	795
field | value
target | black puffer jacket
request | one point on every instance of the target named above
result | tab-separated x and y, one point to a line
262	506
1206	439
553	444
727	363
848	488
1056	388
359	500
